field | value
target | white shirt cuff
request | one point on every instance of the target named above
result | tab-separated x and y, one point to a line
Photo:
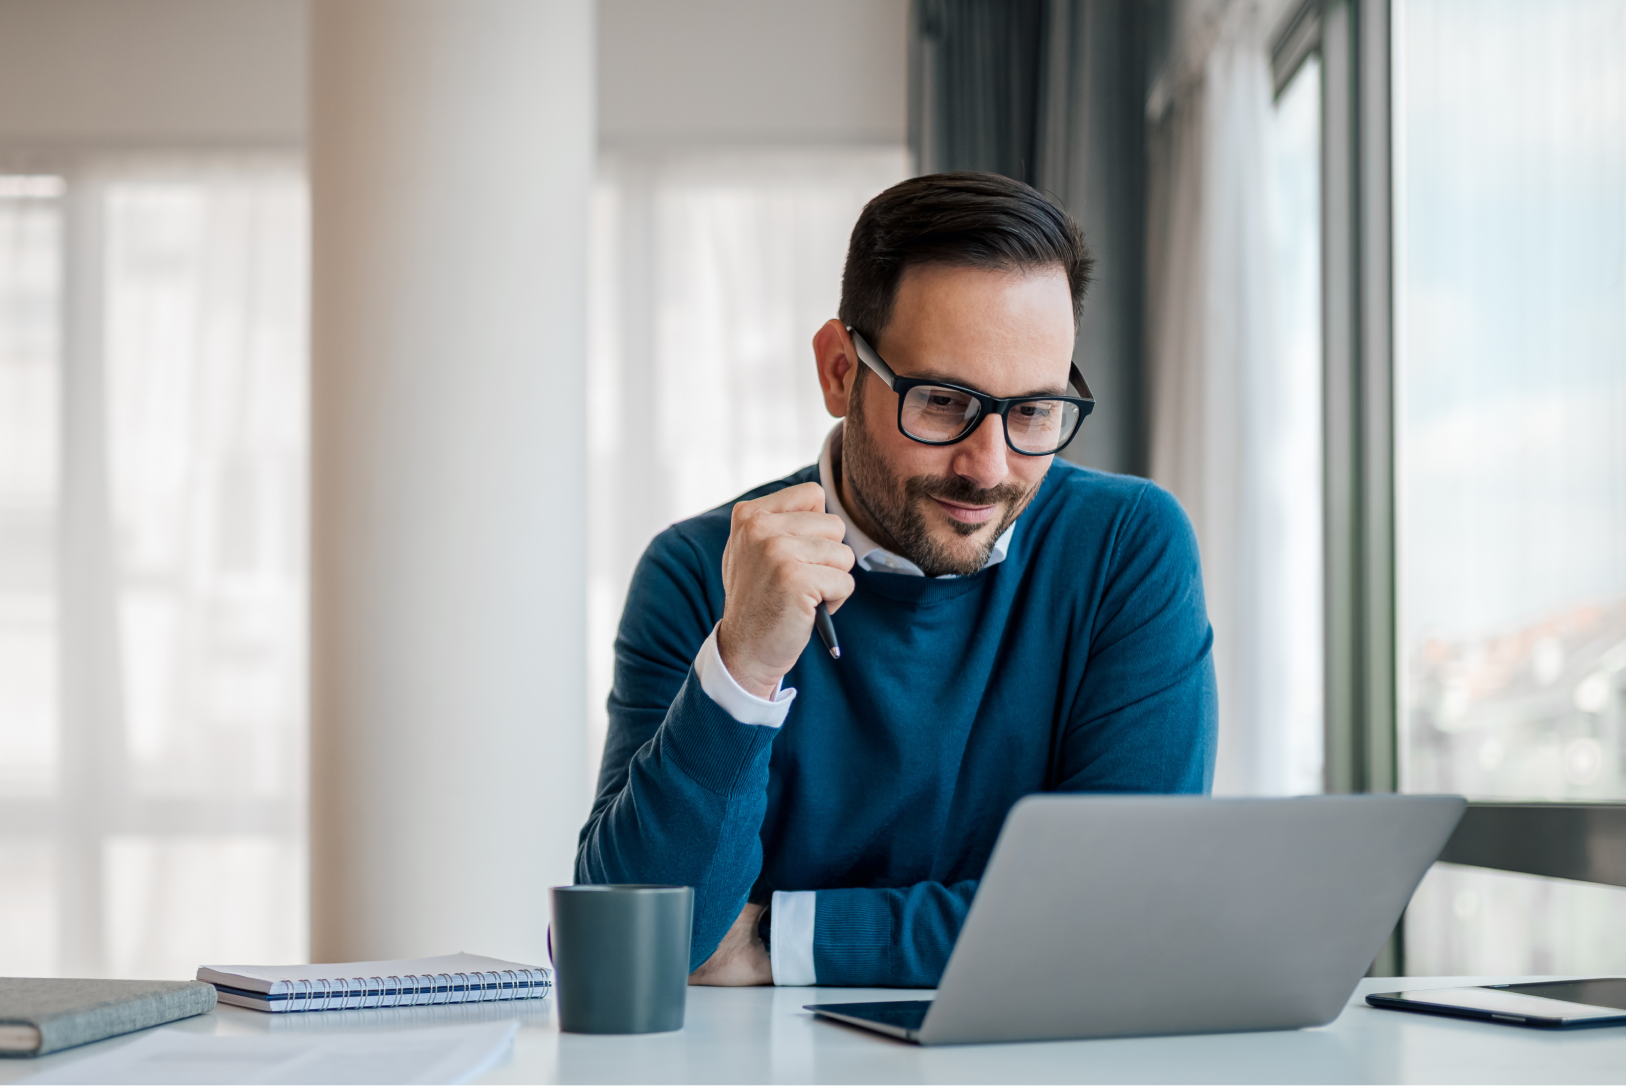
733	698
790	942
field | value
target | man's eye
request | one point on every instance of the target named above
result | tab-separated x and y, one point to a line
1033	410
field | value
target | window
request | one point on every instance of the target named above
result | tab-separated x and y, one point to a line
152	563
1510	366
1294	185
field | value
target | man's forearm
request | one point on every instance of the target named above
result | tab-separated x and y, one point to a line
741	960
689	813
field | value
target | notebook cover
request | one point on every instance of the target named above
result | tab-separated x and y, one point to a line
236	997
77	1012
414	982
277	979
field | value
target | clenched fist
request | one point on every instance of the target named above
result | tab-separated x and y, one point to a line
784	557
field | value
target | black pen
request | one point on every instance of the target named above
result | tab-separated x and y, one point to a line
827	630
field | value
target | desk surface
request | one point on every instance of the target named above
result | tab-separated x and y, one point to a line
763	1035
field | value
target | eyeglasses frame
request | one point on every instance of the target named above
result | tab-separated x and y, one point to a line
991	405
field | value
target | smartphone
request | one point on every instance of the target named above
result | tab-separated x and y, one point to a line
1552	1004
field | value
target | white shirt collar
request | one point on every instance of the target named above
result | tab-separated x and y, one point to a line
872	557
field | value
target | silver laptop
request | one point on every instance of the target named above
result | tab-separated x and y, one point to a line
1113	916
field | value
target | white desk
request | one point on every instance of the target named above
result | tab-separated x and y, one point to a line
763	1035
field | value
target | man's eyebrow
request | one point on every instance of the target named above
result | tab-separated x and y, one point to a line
948	379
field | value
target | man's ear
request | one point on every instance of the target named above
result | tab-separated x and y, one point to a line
838	366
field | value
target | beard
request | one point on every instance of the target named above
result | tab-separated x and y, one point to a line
899	507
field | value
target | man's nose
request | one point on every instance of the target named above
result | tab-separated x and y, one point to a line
981	456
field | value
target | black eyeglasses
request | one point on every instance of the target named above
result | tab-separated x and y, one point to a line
937	413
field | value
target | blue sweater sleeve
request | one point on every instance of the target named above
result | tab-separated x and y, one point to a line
1145	720
888	938
683	786
1146	717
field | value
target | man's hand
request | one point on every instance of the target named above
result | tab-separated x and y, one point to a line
784	557
740	960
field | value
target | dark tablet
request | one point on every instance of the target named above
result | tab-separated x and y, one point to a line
1550	1004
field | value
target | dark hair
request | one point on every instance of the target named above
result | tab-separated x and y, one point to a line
969	220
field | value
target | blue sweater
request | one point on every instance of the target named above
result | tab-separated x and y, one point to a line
1081	663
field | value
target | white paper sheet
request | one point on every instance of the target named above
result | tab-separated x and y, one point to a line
452	1054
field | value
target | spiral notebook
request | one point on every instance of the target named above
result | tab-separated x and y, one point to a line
417	982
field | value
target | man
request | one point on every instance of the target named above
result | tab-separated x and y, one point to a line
1009	623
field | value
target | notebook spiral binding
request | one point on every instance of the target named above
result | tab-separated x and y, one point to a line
346	993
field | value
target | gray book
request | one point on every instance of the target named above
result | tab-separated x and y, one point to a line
39	1015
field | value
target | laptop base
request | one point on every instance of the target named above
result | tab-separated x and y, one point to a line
900	1018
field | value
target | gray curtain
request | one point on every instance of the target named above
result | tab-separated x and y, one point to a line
1053	93
978	79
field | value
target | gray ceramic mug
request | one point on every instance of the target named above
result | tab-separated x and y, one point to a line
621	957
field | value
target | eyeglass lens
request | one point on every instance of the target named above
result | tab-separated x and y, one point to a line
931	413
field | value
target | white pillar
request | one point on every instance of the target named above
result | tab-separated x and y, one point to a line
451	148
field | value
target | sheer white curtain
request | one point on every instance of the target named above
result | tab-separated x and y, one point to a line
152	581
711	270
31	239
1228	396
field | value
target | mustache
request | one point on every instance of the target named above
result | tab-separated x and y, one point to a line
956	488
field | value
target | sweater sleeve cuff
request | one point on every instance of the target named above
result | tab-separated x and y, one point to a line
734	699
852	938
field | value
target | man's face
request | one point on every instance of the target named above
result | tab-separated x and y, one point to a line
1002	333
